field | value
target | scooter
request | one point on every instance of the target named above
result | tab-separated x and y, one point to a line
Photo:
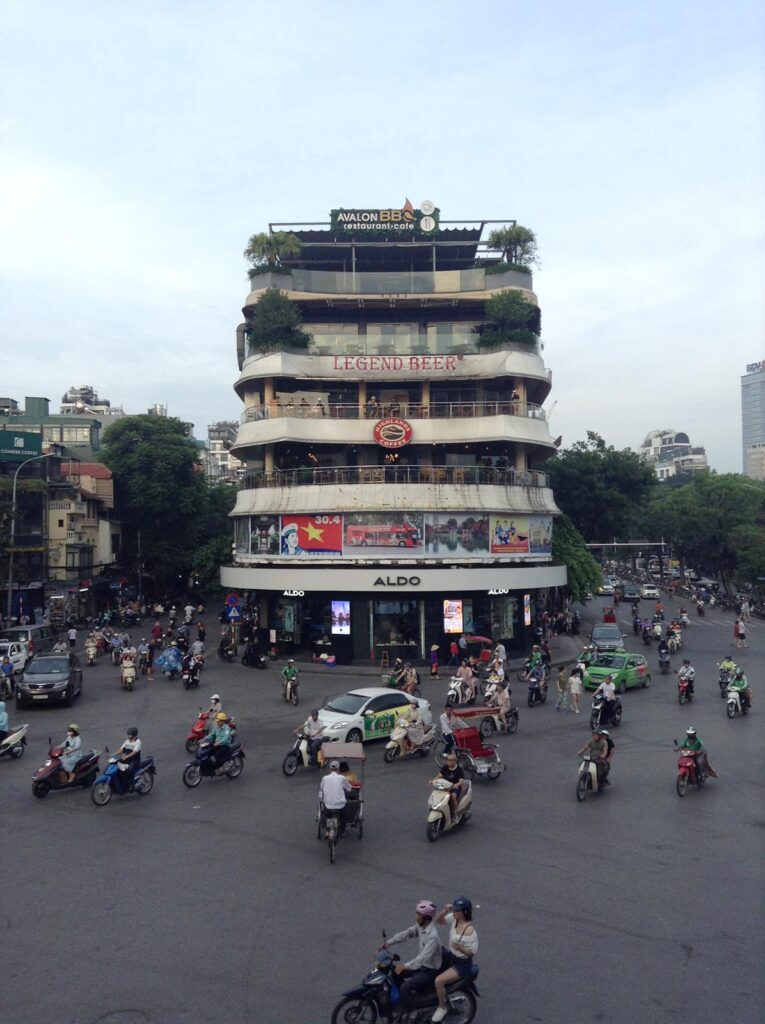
657	630
440	817
459	692
204	764
684	620
299	756
700	609
735	705
598	714
537	692
49	776
684	688
510	725
115	780
290	689
647	635
588	778
143	663
91	653
227	651
127	676
397	745
377	994
190	674
664	662
687	773
15	743
199	731
723	681
252	659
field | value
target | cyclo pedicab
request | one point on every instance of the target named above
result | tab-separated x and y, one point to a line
476	757
351	758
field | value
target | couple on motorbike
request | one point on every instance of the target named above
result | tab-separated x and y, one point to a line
434	966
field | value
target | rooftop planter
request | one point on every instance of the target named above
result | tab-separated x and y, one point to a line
274	325
510	317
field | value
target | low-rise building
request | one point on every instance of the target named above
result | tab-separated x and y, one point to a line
671	454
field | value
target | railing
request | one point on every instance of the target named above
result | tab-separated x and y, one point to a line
392	474
409	410
415	282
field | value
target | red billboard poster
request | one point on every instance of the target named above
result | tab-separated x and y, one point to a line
401	530
509	535
308	536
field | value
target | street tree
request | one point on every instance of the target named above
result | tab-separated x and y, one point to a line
601	489
570	549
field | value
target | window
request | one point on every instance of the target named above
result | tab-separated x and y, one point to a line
61	524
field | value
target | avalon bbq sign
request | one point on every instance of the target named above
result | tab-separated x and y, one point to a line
398	222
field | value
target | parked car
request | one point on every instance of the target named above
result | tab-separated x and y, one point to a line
16	651
607	637
53	678
36	639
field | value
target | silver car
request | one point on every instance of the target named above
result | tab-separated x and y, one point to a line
49	678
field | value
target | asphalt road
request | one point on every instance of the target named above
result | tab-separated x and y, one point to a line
186	907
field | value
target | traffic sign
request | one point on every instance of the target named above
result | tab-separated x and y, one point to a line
234	614
232	600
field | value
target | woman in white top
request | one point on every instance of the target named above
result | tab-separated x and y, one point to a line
463	945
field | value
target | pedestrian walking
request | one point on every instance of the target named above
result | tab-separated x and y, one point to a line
746	614
739	633
72	634
201	631
562	685
575	689
454	653
434	661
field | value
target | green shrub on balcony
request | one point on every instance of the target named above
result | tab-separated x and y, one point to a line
510	317
273	325
267	252
506	268
518	245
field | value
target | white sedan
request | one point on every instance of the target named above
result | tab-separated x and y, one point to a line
650	590
368	713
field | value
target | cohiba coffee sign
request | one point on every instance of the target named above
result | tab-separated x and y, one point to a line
392	432
364	222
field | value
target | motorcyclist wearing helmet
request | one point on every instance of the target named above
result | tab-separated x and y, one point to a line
420	972
463	945
129	754
663	649
290	674
728	665
695	746
220	738
739	682
70	752
415	729
687	672
608	689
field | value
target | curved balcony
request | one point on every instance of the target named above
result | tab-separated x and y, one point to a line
412	411
457	476
474	281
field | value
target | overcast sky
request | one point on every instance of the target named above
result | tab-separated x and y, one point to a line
143	142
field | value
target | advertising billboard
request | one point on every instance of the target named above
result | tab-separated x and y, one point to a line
456	533
310	536
401	530
18	446
453	617
509	535
341	618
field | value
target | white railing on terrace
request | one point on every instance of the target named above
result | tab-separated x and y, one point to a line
393	474
408	410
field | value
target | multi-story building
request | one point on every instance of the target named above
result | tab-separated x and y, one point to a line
752	415
671	453
84	401
221	465
394	495
70	429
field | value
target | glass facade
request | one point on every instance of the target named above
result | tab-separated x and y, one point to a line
752	412
393	338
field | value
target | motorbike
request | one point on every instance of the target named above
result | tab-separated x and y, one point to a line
657	630
252	659
115	780
397	746
537	692
735	705
647	635
684	688
143	663
636	625
587	780
459	692
290	690
203	765
299	756
440	817
199	730
116	653
49	776
687	773
509	726
15	743
190	674
91	653
127	676
684	620
664	663
376	998
724	679
597	713
700	609
227	651
170	662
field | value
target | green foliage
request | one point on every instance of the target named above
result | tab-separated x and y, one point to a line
267	251
518	244
274	324
568	547
602	490
504	268
715	522
160	490
510	318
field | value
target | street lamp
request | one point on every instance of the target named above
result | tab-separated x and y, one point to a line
9	606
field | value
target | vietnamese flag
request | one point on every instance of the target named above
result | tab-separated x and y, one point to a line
321	534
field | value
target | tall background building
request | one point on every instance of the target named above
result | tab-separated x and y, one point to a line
671	453
753	419
395	494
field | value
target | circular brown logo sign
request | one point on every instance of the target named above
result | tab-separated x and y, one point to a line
392	432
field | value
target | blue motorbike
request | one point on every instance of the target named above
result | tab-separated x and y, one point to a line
170	662
117	780
204	764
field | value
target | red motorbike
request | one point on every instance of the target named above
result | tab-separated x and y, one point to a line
687	773
199	731
684	689
52	776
